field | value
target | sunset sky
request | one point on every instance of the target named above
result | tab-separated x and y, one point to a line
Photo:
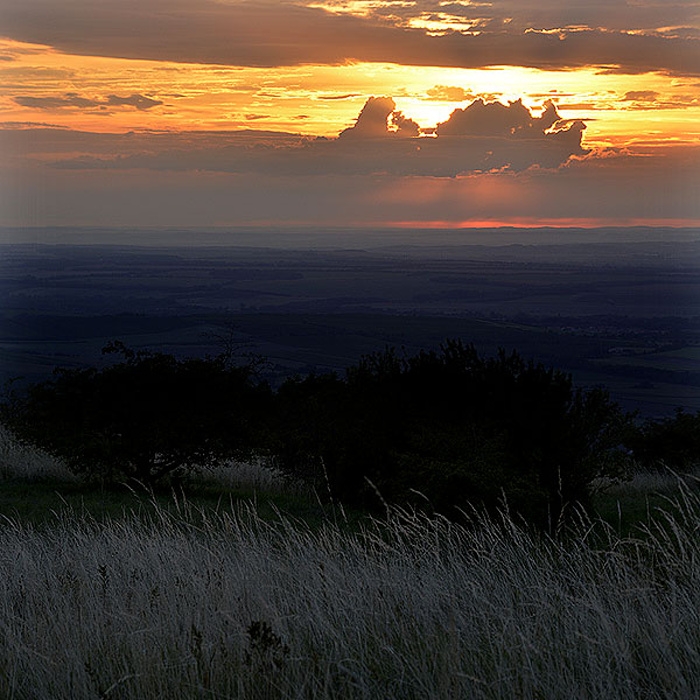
423	113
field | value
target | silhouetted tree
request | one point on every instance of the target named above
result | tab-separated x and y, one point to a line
450	427
669	442
147	417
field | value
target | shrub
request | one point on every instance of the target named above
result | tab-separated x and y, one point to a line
147	417
670	442
452	428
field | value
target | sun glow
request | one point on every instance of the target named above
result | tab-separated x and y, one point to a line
44	86
543	222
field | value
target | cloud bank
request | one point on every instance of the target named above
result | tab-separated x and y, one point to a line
482	137
634	38
640	189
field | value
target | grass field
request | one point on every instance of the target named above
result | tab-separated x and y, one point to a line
261	593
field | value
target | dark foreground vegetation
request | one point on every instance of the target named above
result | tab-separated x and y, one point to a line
439	431
172	604
249	588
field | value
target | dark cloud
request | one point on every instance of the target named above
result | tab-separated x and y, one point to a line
403	126
510	136
261	33
551	94
540	34
34	73
33	126
347	96
663	16
379	118
496	119
643	99
493	136
69	100
72	99
138	101
481	138
619	188
373	120
681	32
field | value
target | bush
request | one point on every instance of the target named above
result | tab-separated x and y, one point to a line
669	442
450	428
440	430
148	417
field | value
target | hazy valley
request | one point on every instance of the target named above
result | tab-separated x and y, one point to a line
617	308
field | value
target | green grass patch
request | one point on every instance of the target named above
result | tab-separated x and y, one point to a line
627	505
41	501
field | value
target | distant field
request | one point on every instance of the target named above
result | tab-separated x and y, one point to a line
631	322
685	359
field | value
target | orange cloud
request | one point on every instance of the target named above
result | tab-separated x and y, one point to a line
641	95
448	93
206	178
483	137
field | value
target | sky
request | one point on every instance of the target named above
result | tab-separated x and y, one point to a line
356	113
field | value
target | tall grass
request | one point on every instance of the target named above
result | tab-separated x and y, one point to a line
20	460
228	605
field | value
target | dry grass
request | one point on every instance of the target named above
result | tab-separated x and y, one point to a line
408	608
643	482
186	604
19	460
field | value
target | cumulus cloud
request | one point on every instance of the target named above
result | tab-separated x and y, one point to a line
73	99
534	33
480	138
379	118
496	119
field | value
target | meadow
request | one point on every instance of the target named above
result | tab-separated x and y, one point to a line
239	597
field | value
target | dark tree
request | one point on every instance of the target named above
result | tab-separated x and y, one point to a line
669	442
450	428
147	417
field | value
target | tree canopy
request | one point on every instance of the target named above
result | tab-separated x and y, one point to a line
147	417
449	428
441	430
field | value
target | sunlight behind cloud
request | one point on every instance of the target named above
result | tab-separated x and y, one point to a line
361	8
438	23
42	85
211	111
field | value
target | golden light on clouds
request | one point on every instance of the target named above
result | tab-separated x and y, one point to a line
162	105
41	85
